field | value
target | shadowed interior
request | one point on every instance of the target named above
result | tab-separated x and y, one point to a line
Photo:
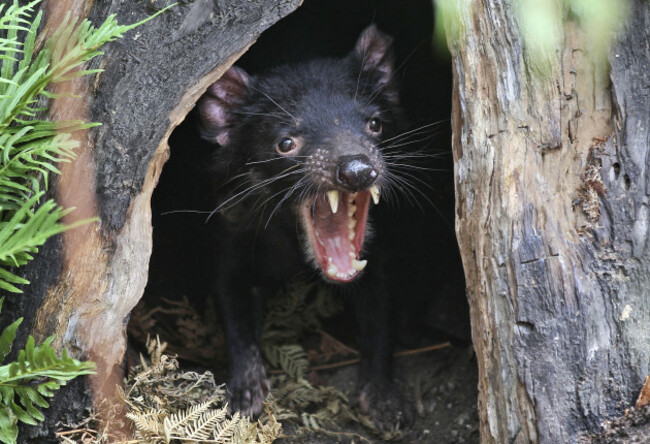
417	222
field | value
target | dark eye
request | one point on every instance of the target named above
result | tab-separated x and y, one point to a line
286	145
374	125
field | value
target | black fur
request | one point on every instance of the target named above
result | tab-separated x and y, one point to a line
330	111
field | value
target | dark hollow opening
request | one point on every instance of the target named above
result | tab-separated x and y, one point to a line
425	276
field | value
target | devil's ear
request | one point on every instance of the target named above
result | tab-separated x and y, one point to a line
374	53
215	106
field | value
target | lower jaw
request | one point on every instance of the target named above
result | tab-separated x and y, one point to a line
344	234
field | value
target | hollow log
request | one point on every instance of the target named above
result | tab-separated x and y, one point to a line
552	222
85	282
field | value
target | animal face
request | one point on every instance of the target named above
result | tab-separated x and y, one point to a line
308	138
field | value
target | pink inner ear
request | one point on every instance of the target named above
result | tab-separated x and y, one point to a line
374	48
216	104
214	118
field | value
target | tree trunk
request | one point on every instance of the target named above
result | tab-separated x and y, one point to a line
85	282
552	222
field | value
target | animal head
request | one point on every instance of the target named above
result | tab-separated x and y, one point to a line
308	137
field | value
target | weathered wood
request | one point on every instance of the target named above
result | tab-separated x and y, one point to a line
85	283
552	195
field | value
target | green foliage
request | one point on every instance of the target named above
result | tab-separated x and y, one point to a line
298	311
25	383
541	24
290	316
30	150
291	358
449	19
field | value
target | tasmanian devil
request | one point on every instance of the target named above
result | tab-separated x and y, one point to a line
299	164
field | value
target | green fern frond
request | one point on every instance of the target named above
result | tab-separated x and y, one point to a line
21	236
69	47
291	358
24	384
14	19
30	150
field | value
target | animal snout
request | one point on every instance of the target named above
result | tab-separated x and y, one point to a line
355	172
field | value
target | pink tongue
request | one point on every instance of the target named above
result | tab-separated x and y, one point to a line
332	233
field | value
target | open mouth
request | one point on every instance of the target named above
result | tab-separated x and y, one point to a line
335	223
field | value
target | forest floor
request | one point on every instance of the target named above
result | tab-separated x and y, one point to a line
631	428
442	385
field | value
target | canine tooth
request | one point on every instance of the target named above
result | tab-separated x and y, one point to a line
333	199
374	192
359	265
332	270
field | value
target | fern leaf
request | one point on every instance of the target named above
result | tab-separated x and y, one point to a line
12	33
224	431
28	46
14	19
176	421
8	424
212	425
8	336
149	424
21	414
24	233
30	150
26	401
291	358
37	373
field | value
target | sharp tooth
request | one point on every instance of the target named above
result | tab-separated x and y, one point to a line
374	192
332	270
352	208
352	255
359	265
333	198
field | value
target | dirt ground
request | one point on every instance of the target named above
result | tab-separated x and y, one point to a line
442	384
631	428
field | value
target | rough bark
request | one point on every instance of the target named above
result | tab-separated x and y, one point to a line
85	283
552	222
